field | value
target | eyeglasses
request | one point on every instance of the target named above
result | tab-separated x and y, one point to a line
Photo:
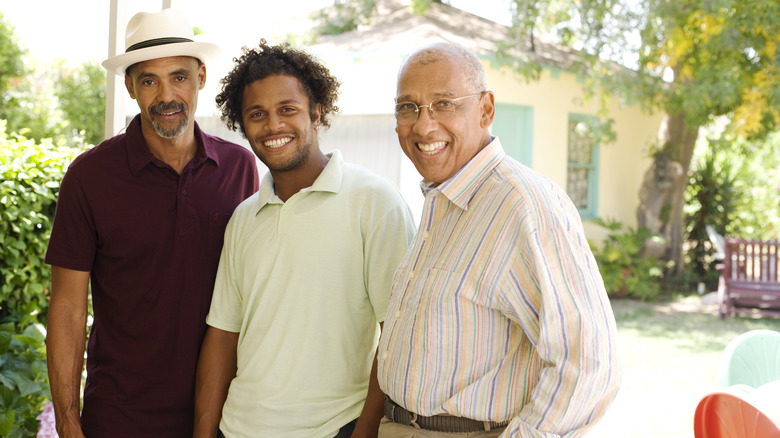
441	109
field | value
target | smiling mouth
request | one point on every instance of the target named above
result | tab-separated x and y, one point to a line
167	109
277	143
431	148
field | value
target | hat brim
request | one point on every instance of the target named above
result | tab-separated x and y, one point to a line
198	49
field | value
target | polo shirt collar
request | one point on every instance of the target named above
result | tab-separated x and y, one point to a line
140	156
462	186
329	181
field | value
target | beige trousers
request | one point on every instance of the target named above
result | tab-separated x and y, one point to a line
388	429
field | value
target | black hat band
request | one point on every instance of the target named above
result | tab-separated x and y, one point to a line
157	42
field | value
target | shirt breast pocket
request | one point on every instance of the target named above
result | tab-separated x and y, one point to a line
444	302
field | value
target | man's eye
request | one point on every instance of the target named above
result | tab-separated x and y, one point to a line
180	78
406	107
148	82
443	104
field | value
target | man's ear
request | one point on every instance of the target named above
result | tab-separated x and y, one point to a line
129	86
316	115
201	76
487	109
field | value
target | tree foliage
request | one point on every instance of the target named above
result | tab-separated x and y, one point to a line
54	100
694	60
693	57
347	15
724	60
11	64
343	16
81	94
32	109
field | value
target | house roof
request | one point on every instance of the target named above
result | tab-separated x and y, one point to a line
394	28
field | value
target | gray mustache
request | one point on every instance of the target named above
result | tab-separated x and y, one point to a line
157	109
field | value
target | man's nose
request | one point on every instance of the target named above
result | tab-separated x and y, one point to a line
425	121
275	122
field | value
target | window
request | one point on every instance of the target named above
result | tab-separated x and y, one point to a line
582	168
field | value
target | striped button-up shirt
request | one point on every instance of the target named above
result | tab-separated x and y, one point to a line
498	311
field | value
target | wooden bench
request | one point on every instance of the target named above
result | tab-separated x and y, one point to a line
749	279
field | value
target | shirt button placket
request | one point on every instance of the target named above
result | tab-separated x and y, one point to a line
282	219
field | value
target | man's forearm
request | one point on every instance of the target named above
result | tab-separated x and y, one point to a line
373	409
216	369
65	339
66	336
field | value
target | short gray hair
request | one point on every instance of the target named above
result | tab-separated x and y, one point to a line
475	72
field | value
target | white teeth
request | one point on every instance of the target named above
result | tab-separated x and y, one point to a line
279	142
431	148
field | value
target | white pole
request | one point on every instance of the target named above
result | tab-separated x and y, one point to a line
115	112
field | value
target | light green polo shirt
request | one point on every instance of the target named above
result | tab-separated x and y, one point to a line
306	283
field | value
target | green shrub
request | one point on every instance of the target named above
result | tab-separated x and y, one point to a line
30	176
625	271
25	384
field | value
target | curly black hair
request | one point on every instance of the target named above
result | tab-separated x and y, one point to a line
319	85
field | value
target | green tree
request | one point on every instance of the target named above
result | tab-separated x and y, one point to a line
81	95
347	15
695	60
11	64
32	109
343	16
54	100
27	100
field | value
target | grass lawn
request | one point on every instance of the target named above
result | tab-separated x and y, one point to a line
670	354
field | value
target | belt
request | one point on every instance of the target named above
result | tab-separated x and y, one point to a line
438	423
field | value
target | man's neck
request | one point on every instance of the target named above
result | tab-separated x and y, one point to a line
175	152
289	182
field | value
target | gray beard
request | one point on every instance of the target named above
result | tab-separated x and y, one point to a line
176	131
170	133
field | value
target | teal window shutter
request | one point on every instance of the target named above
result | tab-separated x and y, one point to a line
513	124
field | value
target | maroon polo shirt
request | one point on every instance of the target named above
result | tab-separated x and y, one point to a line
151	239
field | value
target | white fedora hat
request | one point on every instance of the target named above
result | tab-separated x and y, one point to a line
152	35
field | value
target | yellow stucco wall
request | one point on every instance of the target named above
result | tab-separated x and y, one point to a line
622	164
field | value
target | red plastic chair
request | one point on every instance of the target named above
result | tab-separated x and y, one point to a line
731	415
